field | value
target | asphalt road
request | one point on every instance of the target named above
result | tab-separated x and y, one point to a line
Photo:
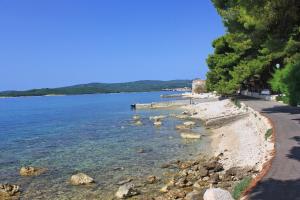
282	181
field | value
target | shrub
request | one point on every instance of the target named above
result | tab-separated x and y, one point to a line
268	133
287	82
236	102
240	187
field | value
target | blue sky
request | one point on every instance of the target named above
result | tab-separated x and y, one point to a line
53	43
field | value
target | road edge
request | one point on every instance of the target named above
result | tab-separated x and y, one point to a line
266	166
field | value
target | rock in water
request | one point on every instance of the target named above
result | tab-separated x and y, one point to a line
190	136
124	181
182	127
158	123
138	123
81	179
157	118
165	189
152	179
31	171
141	151
8	191
126	190
189	123
217	194
136	117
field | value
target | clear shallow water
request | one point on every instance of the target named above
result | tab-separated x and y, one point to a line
93	134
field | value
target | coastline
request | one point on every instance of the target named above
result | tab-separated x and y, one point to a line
239	138
236	144
243	138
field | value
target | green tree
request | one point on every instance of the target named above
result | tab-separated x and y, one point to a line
260	34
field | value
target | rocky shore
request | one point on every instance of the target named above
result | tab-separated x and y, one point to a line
239	133
241	146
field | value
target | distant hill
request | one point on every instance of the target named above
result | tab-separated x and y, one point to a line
94	88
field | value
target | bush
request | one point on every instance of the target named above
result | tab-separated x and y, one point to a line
241	187
236	102
287	82
268	133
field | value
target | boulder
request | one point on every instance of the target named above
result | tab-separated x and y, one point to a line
158	123
126	190
185	165
152	179
218	167
185	112
236	173
202	172
176	194
166	165
183	182
31	171
124	181
194	195
189	123
211	165
165	189
136	117
81	179
141	151
182	127
157	118
138	123
182	116
8	191
217	194
200	184
190	136
214	178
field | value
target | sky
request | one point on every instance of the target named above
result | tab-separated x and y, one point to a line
54	43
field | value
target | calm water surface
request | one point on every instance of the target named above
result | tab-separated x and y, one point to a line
93	134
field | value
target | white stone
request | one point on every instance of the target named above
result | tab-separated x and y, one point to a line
126	190
217	194
165	189
138	123
189	123
81	179
157	118
190	136
136	117
158	123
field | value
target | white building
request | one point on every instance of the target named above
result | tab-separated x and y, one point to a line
198	86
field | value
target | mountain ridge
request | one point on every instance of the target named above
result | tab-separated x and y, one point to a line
95	88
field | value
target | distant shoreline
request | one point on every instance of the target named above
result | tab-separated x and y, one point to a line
61	95
105	88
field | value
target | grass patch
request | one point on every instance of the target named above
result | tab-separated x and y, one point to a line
240	187
268	133
236	102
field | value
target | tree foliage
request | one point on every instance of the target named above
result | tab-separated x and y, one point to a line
260	34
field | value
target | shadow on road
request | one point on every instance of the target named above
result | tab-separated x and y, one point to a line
297	120
295	151
282	109
272	189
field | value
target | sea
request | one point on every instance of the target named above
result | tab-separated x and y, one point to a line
93	134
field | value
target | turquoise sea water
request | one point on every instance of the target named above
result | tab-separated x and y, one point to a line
93	134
